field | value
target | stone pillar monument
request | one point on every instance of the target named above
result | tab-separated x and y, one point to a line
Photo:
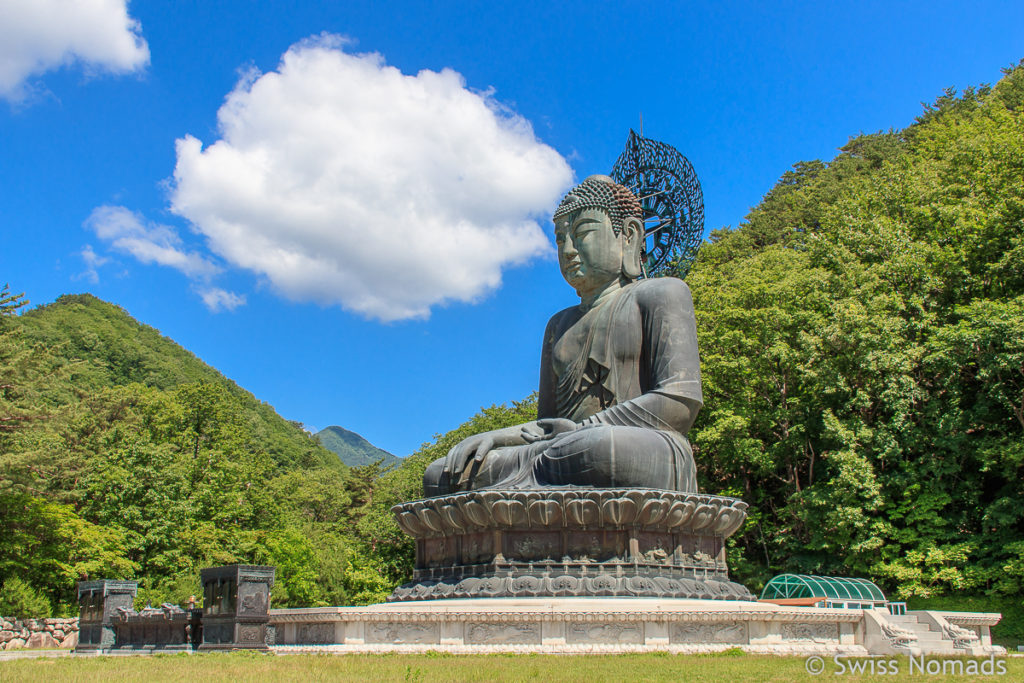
236	598
98	604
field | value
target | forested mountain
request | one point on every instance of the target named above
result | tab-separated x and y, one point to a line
122	455
111	348
353	449
862	339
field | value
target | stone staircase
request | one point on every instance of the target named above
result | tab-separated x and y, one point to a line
930	639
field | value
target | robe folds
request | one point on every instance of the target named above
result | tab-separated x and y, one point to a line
627	371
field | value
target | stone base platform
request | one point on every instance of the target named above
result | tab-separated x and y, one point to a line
569	625
579	625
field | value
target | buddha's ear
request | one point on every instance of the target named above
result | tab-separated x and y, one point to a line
632	246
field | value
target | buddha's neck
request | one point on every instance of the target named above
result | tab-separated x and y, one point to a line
601	295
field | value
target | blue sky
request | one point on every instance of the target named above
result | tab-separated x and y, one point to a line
342	206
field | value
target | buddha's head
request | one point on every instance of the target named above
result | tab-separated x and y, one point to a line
600	235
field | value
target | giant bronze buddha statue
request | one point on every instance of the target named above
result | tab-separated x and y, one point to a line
619	375
597	497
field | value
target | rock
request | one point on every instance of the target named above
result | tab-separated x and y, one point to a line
52	621
41	641
70	642
32	624
15	644
58	634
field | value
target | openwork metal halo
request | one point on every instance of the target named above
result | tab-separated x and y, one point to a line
670	195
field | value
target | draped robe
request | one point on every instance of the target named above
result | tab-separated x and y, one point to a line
628	372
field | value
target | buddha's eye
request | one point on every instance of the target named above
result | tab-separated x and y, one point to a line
584	227
582	231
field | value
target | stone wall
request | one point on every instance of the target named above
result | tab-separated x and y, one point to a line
38	634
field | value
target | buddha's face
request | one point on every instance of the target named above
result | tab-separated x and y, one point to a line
589	251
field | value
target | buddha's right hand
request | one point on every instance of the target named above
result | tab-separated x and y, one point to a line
471	448
547	428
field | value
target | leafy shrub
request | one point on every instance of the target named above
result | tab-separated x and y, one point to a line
21	601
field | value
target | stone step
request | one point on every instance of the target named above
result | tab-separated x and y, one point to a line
929	637
943	646
902	619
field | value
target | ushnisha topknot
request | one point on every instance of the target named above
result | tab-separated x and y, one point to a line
601	192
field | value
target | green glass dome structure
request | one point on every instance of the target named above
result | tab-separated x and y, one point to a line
790	586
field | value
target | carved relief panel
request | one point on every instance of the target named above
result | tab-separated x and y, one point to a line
400	632
697	632
605	632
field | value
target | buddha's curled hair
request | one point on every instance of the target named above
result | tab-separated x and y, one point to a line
601	192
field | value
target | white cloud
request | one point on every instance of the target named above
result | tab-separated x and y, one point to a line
149	242
217	299
39	35
93	261
344	181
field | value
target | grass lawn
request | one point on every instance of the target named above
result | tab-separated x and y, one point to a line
207	668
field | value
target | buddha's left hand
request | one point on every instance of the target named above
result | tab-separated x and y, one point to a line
547	428
475	447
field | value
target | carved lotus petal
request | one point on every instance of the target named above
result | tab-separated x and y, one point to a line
525	584
565	584
467	587
410	524
637	497
441	589
475	512
583	512
652	512
640	585
679	514
545	513
489	498
432	520
729	520
509	512
619	511
454	518
703	516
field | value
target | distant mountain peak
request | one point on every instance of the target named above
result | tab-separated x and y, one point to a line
353	449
